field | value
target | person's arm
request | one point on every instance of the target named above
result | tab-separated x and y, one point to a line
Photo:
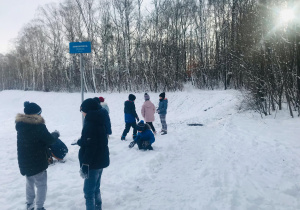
166	105
153	108
90	146
143	111
134	112
45	135
137	138
107	123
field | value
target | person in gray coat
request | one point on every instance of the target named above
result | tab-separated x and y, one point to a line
162	111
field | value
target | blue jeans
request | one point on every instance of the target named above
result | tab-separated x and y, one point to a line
91	190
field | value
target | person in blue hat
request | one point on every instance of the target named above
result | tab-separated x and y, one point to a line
145	137
33	139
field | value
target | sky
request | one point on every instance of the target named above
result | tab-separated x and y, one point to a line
15	14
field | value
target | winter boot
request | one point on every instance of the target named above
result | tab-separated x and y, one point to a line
164	132
29	206
123	138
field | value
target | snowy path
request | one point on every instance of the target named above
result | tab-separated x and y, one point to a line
235	161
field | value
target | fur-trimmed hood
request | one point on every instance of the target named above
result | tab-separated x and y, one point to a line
30	119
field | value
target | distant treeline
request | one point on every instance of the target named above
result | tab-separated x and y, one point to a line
241	44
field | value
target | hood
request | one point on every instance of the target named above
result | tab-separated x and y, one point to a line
95	116
103	103
30	119
148	103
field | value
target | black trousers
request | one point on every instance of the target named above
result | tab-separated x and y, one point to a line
151	126
127	128
144	145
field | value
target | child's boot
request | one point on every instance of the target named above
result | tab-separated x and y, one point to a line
29	206
164	132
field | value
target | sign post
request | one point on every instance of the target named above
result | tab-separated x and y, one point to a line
80	47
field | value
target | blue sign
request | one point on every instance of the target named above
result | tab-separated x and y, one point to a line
80	47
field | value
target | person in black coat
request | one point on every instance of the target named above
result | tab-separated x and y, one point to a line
33	139
130	116
94	153
107	118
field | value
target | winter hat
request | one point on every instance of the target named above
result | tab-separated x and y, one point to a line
97	100
101	99
141	126
131	97
89	105
163	95
32	108
146	96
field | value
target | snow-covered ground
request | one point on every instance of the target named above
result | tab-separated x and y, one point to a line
235	161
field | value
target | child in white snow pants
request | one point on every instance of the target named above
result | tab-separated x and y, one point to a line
40	181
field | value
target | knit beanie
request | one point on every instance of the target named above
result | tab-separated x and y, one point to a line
89	105
163	95
131	97
97	100
32	108
141	126
146	96
101	99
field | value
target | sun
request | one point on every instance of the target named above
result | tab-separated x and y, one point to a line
286	15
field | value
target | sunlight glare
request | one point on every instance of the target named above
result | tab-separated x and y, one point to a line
286	15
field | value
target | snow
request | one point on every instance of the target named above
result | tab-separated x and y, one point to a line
237	160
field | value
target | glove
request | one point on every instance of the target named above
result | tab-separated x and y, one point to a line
137	119
55	134
131	144
84	171
75	142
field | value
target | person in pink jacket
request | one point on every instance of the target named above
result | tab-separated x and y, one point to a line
148	111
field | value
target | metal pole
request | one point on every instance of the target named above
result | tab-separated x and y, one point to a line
81	77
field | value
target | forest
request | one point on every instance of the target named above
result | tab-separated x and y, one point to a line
249	45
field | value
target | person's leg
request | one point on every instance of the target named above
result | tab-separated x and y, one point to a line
151	126
163	122
30	192
149	147
98	200
126	130
89	190
133	125
140	144
41	185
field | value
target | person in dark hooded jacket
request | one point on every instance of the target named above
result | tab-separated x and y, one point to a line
107	118
33	139
94	153
130	116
